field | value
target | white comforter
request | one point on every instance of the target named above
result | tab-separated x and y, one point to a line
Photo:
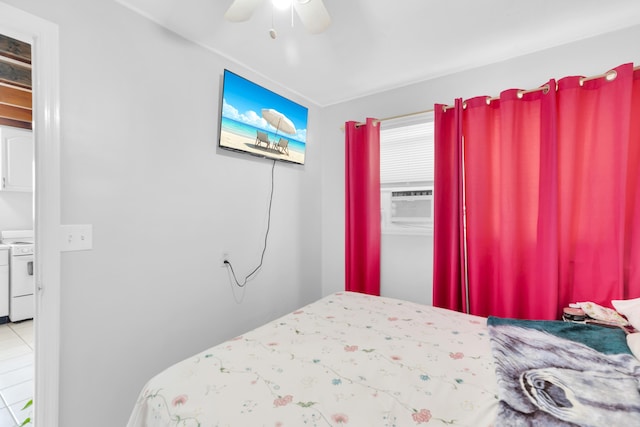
348	359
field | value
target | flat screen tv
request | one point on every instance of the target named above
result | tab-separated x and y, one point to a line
257	121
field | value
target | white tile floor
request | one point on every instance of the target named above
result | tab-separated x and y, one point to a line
16	372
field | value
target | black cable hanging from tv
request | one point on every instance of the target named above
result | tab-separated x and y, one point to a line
266	235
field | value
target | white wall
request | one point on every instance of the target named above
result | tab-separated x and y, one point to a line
405	266
16	210
587	57
139	161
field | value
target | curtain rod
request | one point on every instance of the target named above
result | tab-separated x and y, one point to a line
416	113
609	75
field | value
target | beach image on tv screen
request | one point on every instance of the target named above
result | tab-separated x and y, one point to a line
258	121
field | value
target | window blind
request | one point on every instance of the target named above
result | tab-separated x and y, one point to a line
406	150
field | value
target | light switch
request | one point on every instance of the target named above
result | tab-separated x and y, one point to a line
76	237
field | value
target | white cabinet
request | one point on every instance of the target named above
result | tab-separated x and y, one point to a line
4	285
17	159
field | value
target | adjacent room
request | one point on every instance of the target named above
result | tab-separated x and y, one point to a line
314	211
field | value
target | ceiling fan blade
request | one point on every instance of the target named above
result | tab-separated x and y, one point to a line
313	15
241	10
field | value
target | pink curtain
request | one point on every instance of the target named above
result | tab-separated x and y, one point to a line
362	222
552	194
632	224
448	260
509	168
598	187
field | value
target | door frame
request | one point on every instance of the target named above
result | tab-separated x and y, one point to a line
44	40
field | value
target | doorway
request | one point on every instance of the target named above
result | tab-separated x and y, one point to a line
43	37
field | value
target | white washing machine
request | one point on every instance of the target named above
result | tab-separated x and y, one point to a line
21	273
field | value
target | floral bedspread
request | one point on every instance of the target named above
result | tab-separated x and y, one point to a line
346	360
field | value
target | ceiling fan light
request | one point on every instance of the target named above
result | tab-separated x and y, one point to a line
281	4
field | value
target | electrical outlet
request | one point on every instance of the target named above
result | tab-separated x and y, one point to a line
225	257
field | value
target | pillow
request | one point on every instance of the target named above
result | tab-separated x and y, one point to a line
633	341
631	309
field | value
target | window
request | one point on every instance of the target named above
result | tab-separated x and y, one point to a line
406	175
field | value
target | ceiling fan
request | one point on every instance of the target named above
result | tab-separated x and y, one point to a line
312	13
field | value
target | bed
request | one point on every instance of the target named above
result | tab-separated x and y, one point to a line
358	360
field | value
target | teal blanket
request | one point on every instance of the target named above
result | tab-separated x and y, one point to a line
564	374
602	339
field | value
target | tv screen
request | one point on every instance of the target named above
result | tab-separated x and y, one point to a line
257	121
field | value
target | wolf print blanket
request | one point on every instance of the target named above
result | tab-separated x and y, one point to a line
563	374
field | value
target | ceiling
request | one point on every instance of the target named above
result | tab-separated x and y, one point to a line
375	45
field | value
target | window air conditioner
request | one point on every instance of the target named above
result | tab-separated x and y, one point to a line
411	206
